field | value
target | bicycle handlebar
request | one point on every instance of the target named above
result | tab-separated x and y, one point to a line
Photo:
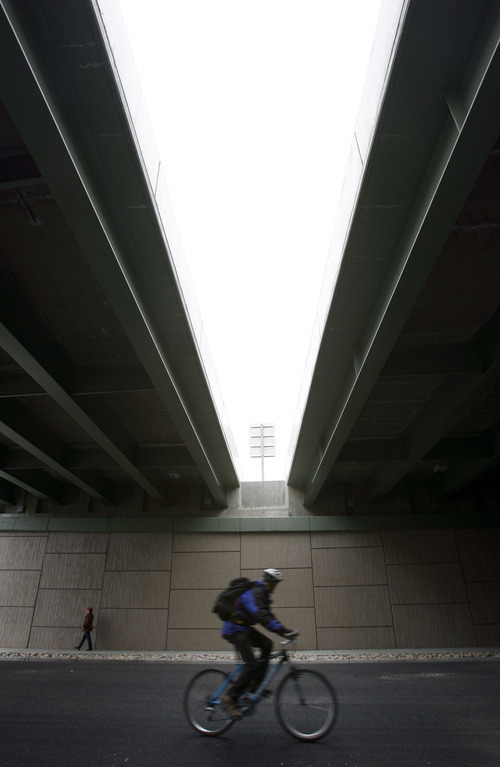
290	636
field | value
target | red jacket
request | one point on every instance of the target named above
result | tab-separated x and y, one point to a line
88	622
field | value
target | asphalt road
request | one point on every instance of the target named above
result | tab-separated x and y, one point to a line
94	713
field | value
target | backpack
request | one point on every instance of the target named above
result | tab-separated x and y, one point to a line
225	604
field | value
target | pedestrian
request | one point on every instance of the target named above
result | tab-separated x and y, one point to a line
252	607
88	625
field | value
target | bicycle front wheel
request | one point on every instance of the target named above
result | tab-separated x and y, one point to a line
306	704
203	708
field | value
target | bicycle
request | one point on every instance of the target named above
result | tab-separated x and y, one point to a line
306	703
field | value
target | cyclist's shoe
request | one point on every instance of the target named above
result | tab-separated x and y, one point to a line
229	704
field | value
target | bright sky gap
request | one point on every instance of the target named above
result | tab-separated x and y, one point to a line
253	107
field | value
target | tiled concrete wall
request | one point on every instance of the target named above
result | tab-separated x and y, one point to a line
343	590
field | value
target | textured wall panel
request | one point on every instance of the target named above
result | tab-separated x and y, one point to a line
359	638
349	567
65	607
206	542
144	551
204	570
407	547
280	550
433	626
136	589
192	609
196	639
132	630
73	571
484	599
481	561
353	606
488	635
432	606
77	543
344	539
414	584
477	536
57	638
263	495
18	588
295	590
15	623
22	552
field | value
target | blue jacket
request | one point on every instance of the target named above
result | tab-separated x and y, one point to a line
253	607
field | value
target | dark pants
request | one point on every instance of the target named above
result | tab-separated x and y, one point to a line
86	636
252	670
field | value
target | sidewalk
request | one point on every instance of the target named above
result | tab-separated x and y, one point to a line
316	656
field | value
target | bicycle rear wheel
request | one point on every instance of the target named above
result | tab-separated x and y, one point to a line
306	704
203	710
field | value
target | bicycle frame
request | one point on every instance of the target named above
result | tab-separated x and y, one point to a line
305	702
272	671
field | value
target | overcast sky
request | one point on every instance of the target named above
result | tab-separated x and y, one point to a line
253	106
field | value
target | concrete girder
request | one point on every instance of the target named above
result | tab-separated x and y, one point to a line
152	457
19	425
83	380
77	173
459	155
458	394
465	471
37	483
47	366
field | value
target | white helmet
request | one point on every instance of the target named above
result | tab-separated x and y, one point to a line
272	576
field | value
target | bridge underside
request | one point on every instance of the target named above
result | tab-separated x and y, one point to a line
403	405
107	400
104	391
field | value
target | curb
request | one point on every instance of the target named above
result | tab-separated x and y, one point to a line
319	656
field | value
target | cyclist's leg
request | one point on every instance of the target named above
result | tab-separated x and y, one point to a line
265	645
243	644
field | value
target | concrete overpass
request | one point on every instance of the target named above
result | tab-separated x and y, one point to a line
400	404
106	385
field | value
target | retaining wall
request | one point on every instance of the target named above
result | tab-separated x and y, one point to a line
154	590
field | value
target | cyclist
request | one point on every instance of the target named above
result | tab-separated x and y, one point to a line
253	606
